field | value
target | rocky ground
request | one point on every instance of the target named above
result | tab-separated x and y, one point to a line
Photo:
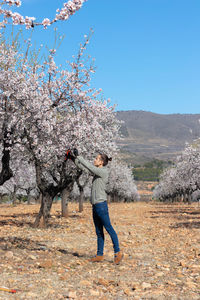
160	244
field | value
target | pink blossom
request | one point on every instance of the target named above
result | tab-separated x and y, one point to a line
29	22
17	19
46	22
68	9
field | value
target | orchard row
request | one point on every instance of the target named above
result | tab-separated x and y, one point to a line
182	181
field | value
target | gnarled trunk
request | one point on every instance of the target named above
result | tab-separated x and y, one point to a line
6	172
49	191
44	211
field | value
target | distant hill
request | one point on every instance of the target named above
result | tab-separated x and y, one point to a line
148	135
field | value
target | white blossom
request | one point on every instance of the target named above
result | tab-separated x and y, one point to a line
68	9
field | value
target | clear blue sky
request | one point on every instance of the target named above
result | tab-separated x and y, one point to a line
147	51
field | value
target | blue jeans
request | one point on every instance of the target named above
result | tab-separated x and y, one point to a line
101	219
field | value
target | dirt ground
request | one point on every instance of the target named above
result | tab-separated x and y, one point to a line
160	244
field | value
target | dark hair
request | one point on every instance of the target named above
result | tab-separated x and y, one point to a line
105	158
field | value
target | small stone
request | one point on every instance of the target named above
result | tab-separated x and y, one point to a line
124	244
127	291
18	259
182	263
191	256
46	264
103	282
195	267
35	271
85	283
60	270
157	293
190	284
94	293
72	294
64	277
32	257
146	285
121	268
159	274
50	291
171	283
32	295
9	254
135	286
166	266
110	254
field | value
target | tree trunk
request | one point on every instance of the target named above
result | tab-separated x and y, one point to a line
6	172
44	211
28	196
189	198
28	199
64	203
81	198
115	197
109	198
39	199
112	198
14	198
184	197
14	195
39	215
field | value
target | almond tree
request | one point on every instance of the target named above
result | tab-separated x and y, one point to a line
23	180
121	185
183	179
45	110
6	132
11	83
51	110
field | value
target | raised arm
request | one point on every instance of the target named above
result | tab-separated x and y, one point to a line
79	165
90	167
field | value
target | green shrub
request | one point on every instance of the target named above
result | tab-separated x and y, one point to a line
151	170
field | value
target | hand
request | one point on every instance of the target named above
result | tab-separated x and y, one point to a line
75	152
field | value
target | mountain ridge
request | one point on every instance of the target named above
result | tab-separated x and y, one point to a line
148	135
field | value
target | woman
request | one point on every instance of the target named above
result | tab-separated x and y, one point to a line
99	203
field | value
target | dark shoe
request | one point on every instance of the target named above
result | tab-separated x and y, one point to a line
118	257
97	258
